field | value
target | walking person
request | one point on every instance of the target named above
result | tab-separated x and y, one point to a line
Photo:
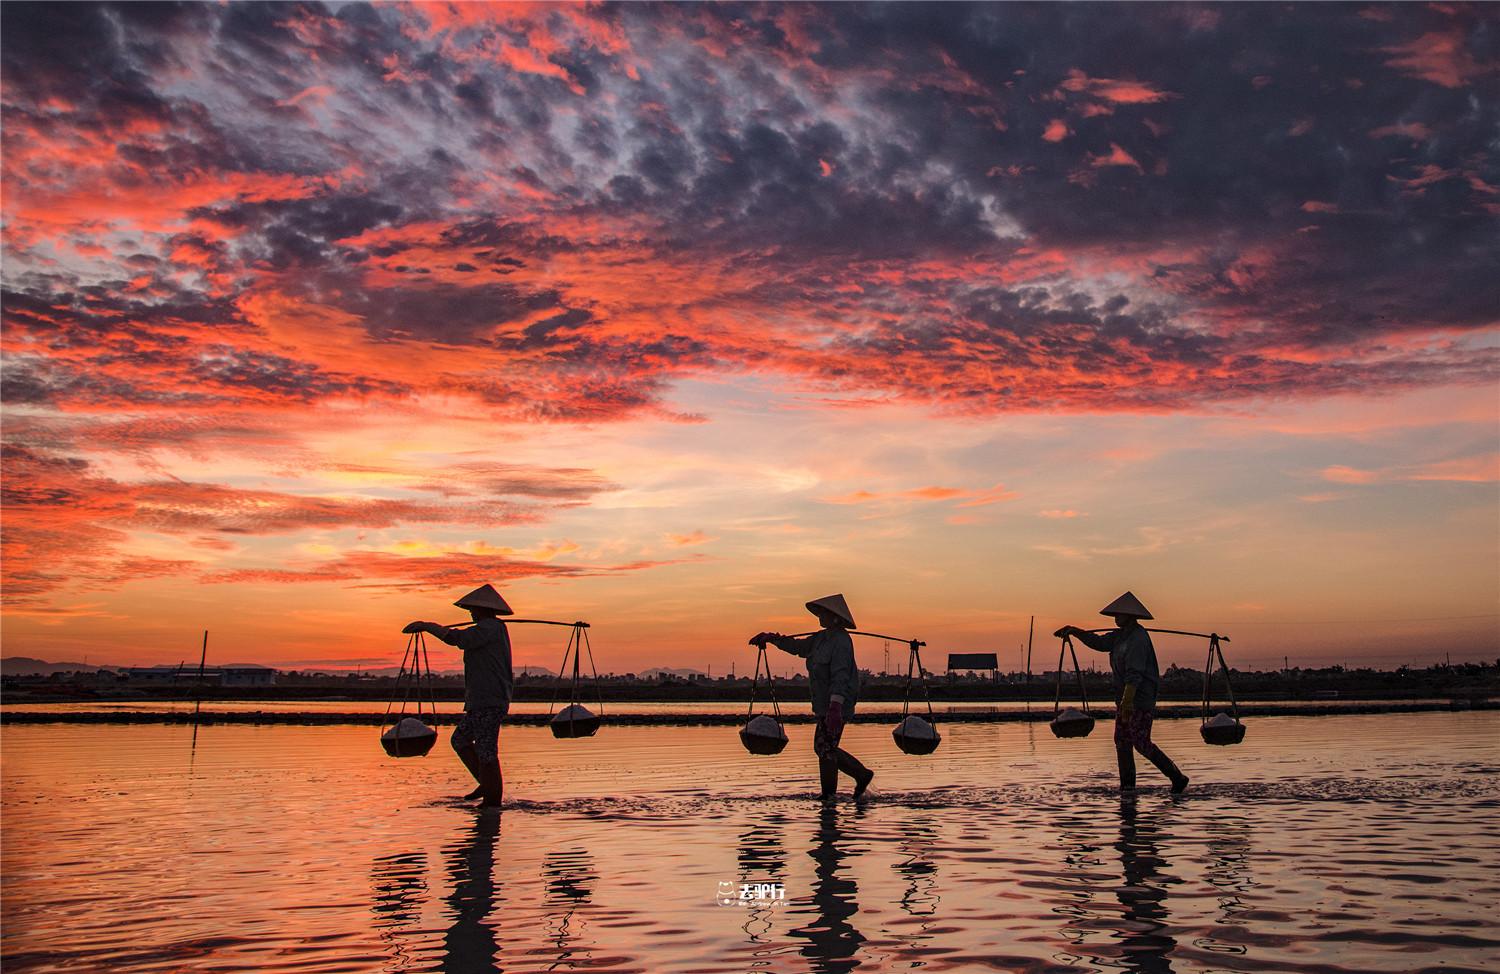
834	679
488	687
1132	660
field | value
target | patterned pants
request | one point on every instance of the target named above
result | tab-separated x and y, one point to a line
824	743
1135	731
480	729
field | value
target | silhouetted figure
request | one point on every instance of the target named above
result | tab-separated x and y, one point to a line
488	686
834	679
1146	944
833	941
469	944
762	859
1132	659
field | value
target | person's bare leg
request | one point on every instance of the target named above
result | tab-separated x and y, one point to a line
470	758
491	784
851	766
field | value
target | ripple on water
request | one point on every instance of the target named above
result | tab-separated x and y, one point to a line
1330	845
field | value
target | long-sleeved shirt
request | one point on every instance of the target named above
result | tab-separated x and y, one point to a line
830	666
488	680
1132	659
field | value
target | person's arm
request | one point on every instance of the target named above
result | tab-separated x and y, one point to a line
467	638
797	646
1101	642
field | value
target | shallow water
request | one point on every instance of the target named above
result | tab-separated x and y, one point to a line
686	707
1327	844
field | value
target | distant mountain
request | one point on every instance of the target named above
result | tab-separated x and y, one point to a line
660	671
26	666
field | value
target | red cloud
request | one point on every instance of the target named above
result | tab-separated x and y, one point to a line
65	522
966	498
1121	92
1441	57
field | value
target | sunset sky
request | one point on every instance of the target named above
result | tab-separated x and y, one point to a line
673	317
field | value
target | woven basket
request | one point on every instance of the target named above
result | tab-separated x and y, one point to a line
575	720
1223	730
763	734
916	735
1072	723
410	738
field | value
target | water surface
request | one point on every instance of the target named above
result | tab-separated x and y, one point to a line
1326	844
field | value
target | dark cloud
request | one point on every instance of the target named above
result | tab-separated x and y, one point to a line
596	200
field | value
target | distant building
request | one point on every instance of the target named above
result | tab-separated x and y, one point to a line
247	675
153	674
241	675
974	661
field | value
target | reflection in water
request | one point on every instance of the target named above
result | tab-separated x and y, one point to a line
1144	942
469	943
762	856
1228	869
399	884
832	941
570	878
921	896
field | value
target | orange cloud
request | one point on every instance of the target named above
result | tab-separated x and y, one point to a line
1123	92
1349	475
691	538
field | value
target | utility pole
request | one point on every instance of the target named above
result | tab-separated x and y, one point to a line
1030	631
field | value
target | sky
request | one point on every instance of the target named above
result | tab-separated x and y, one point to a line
673	317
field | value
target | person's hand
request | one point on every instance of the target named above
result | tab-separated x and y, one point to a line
834	719
759	640
415	627
1064	631
1127	702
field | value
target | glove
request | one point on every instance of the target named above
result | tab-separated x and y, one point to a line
1127	703
834	719
414	627
1063	631
758	640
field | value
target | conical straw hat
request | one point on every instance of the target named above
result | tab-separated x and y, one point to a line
834	604
485	597
1126	605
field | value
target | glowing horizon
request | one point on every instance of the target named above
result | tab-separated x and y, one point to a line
672	317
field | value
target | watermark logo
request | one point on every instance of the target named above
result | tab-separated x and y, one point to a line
752	895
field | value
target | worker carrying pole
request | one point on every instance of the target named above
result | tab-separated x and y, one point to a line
834	680
488	687
1132	659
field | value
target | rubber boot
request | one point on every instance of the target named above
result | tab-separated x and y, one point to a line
828	773
491	784
1165	766
850	765
1125	757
